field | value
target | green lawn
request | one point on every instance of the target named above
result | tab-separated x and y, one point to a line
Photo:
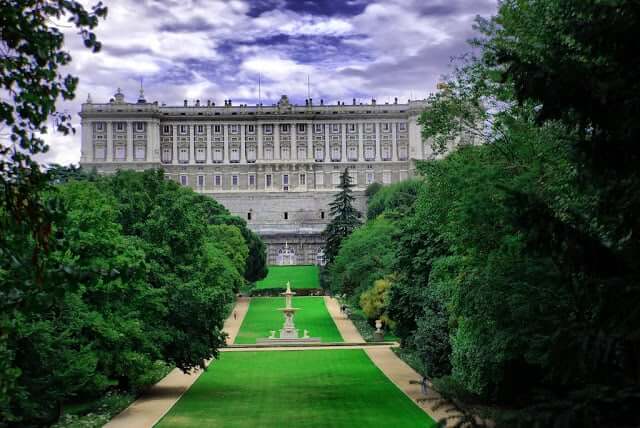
263	317
315	388
299	276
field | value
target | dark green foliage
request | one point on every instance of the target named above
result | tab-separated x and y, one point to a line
365	256
143	270
372	189
516	274
344	217
395	199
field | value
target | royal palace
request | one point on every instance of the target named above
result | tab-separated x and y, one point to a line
276	166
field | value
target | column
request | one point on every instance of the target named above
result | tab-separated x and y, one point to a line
259	154
129	141
192	146
377	129
360	127
242	146
153	147
174	156
225	139
310	154
394	142
294	143
209	137
87	146
109	141
343	142
276	141
327	155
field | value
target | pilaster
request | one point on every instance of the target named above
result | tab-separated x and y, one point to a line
109	141
129	141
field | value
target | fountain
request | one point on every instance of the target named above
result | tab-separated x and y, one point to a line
289	332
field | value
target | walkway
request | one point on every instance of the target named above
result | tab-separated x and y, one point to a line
349	332
147	410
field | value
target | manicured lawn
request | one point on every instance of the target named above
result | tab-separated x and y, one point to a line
263	317
299	276
316	388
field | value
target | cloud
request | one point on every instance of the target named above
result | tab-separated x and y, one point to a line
215	49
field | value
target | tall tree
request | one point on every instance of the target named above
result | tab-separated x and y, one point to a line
344	217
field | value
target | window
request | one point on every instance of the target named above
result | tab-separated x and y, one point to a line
369	177
201	182
286	215
386	177
139	126
99	126
235	129
319	179
302	152
317	128
200	129
336	179
166	129
100	152
251	154
252	181
268	181
354	177
386	152
201	154
140	152
335	153
402	126
216	129
120	126
235	155
402	152
248	216
268	129
319	154
285	182
322	215
251	129
268	153
166	154
183	154
368	127
369	153
385	126
302	127
234	180
285	152
352	127
353	153
217	180
184	180
183	129
217	154
285	128
336	127
302	179
121	152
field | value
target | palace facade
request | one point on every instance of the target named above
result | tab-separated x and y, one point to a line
276	166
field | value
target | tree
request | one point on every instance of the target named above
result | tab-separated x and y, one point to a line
344	217
364	256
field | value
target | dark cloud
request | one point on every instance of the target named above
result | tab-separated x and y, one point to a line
312	7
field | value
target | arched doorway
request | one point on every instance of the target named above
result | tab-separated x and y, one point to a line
286	256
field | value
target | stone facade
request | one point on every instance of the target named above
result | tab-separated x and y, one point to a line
275	166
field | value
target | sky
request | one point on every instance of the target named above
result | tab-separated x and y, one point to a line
216	49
